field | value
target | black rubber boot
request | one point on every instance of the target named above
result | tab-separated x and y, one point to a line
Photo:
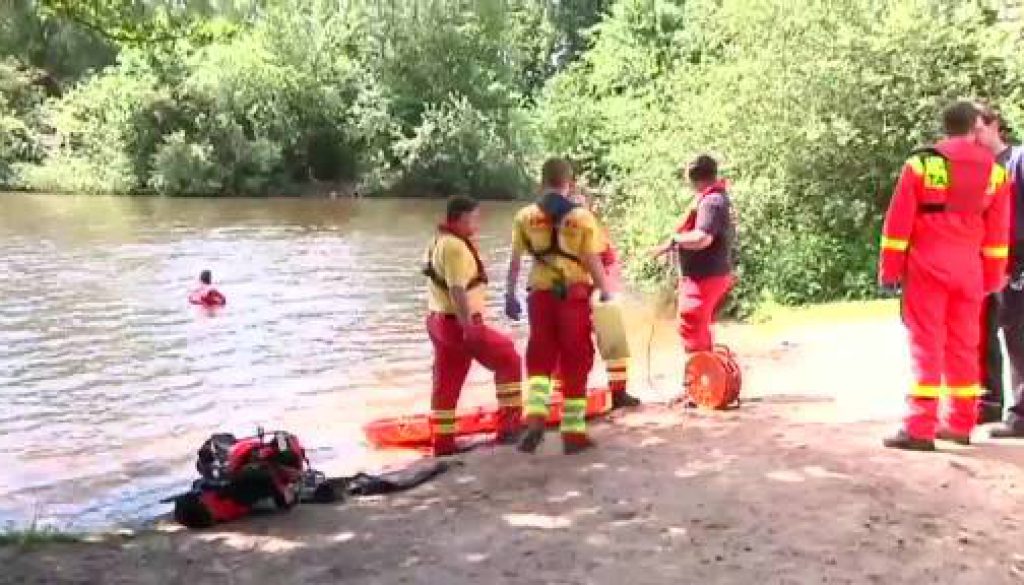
902	440
532	438
948	435
623	399
577	446
509	437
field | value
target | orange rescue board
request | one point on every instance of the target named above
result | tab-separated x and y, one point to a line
413	431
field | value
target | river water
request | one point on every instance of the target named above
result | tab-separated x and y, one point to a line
111	380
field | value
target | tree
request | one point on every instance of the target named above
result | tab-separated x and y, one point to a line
141	22
811	108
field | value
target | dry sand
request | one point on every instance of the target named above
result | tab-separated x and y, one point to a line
791	488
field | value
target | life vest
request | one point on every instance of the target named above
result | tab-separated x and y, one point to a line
555	207
690	215
725	241
430	272
207	296
960	185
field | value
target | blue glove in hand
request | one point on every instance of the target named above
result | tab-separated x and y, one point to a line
512	309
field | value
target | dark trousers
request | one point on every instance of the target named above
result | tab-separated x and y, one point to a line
1006	312
991	356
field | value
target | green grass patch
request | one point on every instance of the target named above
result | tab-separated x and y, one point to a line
34	535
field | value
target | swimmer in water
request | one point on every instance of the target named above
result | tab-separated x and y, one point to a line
206	295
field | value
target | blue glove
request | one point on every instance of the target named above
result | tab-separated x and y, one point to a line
512	309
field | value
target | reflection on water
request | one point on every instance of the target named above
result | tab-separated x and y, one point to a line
111	379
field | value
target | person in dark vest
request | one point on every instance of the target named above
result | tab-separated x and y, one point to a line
1005	309
456	292
704	243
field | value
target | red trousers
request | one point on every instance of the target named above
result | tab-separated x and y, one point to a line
560	331
618	376
699	299
943	319
453	355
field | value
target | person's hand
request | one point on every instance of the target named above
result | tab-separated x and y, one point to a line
660	250
512	308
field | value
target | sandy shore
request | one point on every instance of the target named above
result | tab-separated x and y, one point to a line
791	488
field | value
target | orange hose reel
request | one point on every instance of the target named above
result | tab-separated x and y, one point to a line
713	379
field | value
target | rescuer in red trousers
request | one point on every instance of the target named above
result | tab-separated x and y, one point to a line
617	369
455	295
704	241
945	242
565	242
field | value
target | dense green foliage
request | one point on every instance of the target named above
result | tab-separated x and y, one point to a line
811	106
412	98
20	99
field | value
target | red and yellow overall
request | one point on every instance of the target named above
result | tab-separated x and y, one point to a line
559	311
617	369
453	260
945	239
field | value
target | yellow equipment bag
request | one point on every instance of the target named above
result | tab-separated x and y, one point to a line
610	331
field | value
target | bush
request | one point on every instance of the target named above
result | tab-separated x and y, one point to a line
811	108
102	133
458	80
418	96
19	120
180	166
458	149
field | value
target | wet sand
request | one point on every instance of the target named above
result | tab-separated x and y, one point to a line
791	488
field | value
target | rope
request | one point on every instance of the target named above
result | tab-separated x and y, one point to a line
666	300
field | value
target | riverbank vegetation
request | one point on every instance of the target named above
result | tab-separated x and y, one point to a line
35	534
811	106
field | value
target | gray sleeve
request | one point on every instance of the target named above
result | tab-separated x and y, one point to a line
713	215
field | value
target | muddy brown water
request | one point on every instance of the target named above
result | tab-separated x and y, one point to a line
111	380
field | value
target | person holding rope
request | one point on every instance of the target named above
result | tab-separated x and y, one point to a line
703	242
